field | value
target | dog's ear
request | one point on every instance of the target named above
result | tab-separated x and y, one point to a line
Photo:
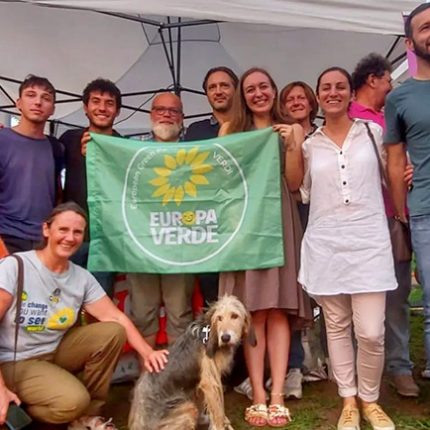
248	331
212	344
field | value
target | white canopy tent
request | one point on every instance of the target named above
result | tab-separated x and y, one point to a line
292	39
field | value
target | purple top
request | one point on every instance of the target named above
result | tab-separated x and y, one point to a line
357	110
27	184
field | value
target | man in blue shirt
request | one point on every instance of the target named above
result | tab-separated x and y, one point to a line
407	116
28	163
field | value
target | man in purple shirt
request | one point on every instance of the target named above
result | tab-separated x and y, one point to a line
372	82
28	167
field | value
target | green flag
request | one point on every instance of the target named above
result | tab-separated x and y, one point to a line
205	206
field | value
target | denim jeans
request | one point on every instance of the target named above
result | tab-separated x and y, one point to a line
105	279
297	354
397	360
420	229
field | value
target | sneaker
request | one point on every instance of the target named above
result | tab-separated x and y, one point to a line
293	384
349	418
425	374
244	388
405	385
377	418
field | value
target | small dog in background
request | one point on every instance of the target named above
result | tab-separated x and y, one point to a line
191	382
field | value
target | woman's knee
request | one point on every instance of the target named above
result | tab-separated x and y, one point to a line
116	332
371	338
67	406
109	333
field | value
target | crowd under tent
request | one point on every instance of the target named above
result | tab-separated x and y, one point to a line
148	47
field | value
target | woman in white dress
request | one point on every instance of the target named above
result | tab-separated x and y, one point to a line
346	257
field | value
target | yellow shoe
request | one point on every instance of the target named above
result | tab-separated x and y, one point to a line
349	418
377	418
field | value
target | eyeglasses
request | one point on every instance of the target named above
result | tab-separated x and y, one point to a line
162	110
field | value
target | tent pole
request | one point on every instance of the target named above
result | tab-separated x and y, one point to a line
160	24
178	59
393	46
66	93
397	59
193	91
7	95
169	60
172	57
144	93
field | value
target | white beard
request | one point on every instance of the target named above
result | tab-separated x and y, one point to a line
167	132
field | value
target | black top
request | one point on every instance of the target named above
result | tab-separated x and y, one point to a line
200	130
75	187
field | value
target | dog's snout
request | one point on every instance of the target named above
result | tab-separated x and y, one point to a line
225	338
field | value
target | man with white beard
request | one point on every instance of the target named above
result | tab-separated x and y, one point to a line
149	291
166	118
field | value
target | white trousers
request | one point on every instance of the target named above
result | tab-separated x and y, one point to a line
356	373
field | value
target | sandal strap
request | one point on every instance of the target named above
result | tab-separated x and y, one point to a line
258	410
279	411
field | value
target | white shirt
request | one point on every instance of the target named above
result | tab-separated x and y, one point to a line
346	247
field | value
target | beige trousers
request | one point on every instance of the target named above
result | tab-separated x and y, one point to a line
148	291
356	373
47	386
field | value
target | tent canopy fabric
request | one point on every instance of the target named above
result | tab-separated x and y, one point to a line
369	16
293	40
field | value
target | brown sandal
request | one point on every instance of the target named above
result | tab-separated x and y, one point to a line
257	411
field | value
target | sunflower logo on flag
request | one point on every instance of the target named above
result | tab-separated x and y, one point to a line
181	174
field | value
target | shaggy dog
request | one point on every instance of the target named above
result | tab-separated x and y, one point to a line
191	381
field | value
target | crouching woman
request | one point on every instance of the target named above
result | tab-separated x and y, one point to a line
51	350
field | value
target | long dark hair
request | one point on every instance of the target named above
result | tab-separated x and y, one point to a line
241	114
334	69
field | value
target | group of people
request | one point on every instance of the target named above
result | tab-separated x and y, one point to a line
332	188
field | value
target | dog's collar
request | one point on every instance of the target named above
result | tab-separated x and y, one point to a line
202	332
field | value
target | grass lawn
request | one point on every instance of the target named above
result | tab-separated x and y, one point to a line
320	406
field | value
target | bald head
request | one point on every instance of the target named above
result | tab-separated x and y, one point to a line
166	117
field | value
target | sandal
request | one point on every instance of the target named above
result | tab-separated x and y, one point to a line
92	423
256	415
278	416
